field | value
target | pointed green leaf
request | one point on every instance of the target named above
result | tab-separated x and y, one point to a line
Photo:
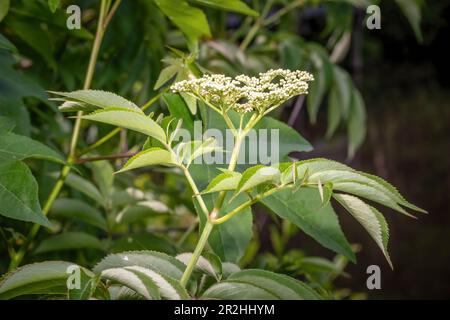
6	44
190	101
412	10
129	119
370	218
88	283
356	123
315	95
361	185
327	192
98	99
19	194
289	174
343	84
303	208
149	157
257	175
72	106
179	109
53	5
103	176
148	283
370	193
14	147
135	280
393	191
334	112
317	165
166	74
284	287
156	261
224	182
236	290
187	152
48	277
4	8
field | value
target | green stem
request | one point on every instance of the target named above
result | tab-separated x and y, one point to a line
18	257
196	191
229	123
211	218
197	252
209	225
244	205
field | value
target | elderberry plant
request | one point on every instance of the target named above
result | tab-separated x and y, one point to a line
298	191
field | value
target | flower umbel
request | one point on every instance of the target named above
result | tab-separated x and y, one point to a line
246	94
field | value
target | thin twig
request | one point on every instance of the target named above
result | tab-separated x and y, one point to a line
107	157
111	13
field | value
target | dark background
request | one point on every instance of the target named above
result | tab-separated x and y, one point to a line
406	88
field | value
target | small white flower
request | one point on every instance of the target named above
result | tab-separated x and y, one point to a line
244	93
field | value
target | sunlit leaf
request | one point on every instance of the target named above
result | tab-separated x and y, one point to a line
96	99
149	157
129	119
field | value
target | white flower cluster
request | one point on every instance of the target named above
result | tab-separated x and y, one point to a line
244	93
